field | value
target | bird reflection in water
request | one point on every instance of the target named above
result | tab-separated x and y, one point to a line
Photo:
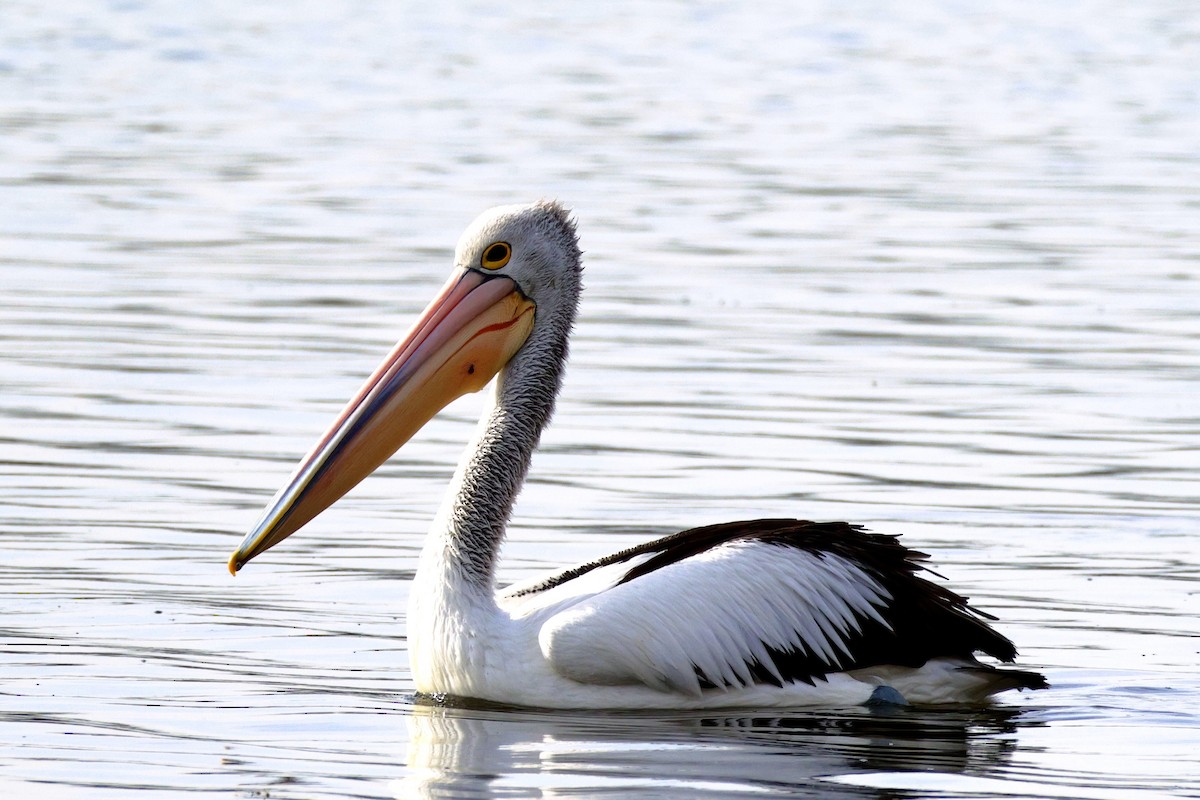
491	752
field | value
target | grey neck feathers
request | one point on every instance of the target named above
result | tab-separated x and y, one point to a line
497	462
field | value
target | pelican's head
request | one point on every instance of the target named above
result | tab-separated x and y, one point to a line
516	279
533	245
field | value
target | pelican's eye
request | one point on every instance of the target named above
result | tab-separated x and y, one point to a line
496	255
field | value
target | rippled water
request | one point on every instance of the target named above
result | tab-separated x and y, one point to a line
934	270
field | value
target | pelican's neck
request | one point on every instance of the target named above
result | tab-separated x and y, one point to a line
461	552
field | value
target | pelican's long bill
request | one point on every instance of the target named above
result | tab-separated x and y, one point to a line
466	335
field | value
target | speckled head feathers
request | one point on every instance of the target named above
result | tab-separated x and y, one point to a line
544	260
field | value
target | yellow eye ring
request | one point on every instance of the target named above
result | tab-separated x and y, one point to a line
496	255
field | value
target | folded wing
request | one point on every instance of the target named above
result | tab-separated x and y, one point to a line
767	601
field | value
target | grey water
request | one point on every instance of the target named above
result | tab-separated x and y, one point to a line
933	268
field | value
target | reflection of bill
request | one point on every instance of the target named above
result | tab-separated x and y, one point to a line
483	753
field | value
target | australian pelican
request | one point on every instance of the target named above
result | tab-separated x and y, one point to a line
764	613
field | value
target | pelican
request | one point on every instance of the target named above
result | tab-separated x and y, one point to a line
769	613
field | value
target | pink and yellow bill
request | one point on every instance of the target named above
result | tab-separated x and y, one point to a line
462	339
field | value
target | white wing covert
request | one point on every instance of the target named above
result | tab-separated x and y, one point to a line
743	612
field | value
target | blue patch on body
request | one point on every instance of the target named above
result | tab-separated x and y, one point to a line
885	696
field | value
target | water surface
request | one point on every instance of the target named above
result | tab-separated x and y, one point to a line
933	270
